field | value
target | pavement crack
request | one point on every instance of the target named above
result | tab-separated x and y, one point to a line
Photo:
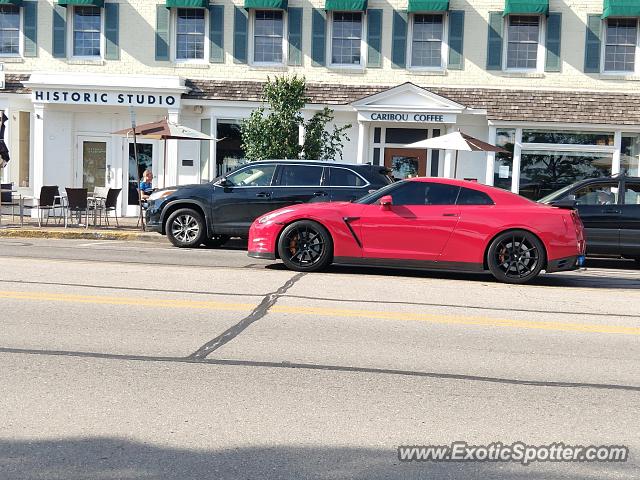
260	311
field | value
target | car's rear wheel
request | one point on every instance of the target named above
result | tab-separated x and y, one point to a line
305	246
185	228
216	241
516	256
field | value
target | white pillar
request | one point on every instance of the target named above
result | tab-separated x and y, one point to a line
38	149
363	138
448	156
491	157
517	150
213	161
171	162
617	143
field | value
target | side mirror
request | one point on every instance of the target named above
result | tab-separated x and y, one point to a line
386	202
568	203
223	182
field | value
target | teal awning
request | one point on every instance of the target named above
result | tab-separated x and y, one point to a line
83	3
187	4
621	8
17	3
266	4
345	5
526	7
428	6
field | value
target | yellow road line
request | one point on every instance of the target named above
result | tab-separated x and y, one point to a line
326	312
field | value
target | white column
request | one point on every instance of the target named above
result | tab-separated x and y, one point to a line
38	149
617	143
213	162
517	150
448	157
491	157
171	162
363	139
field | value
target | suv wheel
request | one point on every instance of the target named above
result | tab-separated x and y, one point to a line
185	228
216	241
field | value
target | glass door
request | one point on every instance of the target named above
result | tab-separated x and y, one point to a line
93	166
147	160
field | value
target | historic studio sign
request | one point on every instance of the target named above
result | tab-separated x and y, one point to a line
104	98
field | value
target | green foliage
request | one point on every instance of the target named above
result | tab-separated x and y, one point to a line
274	132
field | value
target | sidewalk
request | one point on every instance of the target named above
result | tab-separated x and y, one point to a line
10	228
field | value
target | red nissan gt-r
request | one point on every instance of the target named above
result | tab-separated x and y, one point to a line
430	223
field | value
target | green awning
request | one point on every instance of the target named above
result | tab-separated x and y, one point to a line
526	7
428	6
17	3
84	3
621	8
345	5
266	4
187	4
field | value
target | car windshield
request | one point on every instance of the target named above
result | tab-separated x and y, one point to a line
556	195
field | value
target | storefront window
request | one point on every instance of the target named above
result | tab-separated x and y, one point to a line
630	154
544	172
404	136
9	30
503	163
24	152
229	152
568	138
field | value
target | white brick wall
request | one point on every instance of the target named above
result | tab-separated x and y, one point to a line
137	43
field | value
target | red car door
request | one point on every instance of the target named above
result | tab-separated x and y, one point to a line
417	226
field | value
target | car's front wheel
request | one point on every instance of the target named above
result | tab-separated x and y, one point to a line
185	228
516	256
305	246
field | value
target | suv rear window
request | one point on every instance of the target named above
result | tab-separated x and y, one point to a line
300	175
341	177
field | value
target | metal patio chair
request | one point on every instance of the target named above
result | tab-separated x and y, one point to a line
111	204
48	201
77	202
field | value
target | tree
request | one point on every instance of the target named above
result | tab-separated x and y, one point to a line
273	132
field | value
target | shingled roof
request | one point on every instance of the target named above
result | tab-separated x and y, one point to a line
506	105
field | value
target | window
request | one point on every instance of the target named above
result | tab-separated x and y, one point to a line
9	30
568	138
87	31
268	35
300	175
632	194
405	135
426	42
190	36
503	162
259	176
421	193
346	38
630	154
341	177
620	45
441	194
598	194
468	196
523	35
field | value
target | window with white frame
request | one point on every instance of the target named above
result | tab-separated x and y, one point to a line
523	42
87	31
427	40
621	45
9	30
346	38
190	34
268	36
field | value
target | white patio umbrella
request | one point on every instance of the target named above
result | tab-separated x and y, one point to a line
457	141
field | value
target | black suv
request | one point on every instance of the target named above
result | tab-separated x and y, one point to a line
610	210
212	212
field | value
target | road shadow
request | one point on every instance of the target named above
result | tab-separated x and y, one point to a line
100	458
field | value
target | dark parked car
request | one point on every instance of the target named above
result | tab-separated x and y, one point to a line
610	210
212	212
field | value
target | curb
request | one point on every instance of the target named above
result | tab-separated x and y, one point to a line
81	234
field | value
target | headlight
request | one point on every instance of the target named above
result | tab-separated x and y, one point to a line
270	216
160	194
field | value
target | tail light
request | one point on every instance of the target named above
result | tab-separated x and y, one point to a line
579	226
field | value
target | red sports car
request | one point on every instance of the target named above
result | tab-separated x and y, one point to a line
430	223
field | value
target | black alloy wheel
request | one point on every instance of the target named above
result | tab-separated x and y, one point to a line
516	256
305	246
216	241
185	228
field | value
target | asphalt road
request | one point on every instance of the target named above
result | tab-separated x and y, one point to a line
132	360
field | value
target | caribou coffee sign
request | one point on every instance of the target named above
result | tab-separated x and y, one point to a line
104	98
413	117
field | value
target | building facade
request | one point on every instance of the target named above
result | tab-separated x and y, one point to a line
557	83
